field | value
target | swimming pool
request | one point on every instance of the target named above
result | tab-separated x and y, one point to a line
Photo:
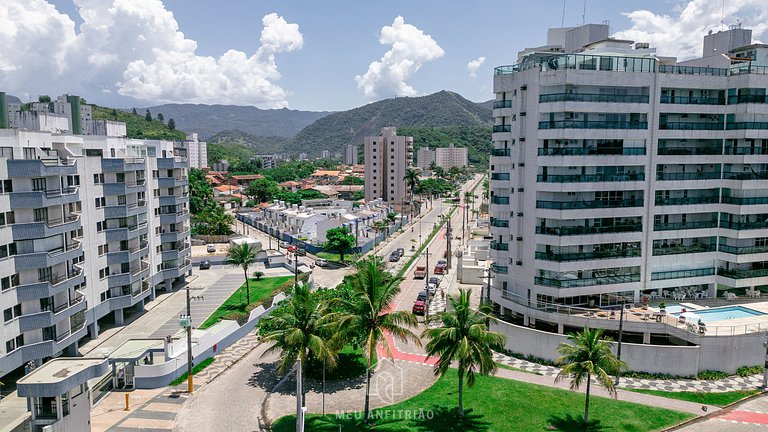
676	308
726	313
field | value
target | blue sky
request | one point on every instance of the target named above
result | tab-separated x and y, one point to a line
315	49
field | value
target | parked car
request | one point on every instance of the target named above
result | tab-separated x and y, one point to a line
293	248
423	295
301	252
420	272
284	244
434	280
432	289
321	262
419	307
394	257
205	265
210	248
438	270
400	251
442	263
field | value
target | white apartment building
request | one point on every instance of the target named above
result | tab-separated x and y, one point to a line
197	151
325	154
91	227
424	158
350	154
449	157
387	158
616	172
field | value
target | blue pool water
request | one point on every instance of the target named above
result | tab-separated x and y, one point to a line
726	313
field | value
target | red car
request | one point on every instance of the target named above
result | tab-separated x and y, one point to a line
418	307
293	248
439	270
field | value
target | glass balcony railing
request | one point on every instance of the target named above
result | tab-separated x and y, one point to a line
500	200
591	151
502	104
692	100
745	176
692	70
500	152
673	226
746	125
572	205
587	97
588	256
502	128
742	273
584	230
684	249
589	178
691	126
499	176
689	151
740	99
573	283
679	274
744	200
687	200
742	250
499	246
688	176
499	223
499	269
582	124
739	226
746	150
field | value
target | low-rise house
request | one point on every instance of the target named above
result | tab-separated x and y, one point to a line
225	190
326	177
244	179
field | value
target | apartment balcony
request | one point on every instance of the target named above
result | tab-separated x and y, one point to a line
122	164
582	282
499	104
129	255
44	259
171	270
742	99
124	188
172	162
499	269
744	200
500	200
48	198
167	182
580	124
175	217
746	125
500	176
176	253
739	151
684	249
127	210
681	176
710	126
587	97
51	317
742	273
676	226
502	128
692	70
584	230
745	176
49	348
173	236
500	152
689	151
591	151
135	274
589	178
680	274
57	283
499	223
499	246
692	100
739	226
576	205
660	201
45	228
126	232
41	167
588	256
742	250
169	200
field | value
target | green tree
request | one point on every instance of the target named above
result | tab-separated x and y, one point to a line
370	317
353	181
302	328
391	218
114	113
258	275
339	239
133	111
200	191
171	124
463	338
148	116
44	98
243	255
412	183
262	189
588	355
439	172
160	117
212	220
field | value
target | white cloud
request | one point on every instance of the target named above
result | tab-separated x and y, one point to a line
681	34
135	48
474	65
411	48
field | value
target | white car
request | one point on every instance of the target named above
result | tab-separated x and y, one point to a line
210	248
321	262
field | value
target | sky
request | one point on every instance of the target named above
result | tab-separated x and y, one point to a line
313	55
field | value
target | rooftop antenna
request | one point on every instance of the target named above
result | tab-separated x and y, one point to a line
562	20
584	14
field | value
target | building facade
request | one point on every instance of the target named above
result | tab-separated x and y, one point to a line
92	227
617	173
325	154
350	154
449	157
387	158
197	151
424	158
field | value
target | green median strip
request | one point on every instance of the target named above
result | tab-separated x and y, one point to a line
705	398
195	369
235	307
423	246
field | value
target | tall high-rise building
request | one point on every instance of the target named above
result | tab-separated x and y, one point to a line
325	154
197	151
449	157
350	154
618	174
93	225
387	157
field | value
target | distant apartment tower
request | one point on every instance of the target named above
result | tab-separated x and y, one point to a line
424	158
325	154
267	161
197	151
387	157
449	157
350	154
302	156
221	166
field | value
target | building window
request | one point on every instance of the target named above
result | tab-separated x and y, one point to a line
98	178
38	184
101	202
7	218
7	186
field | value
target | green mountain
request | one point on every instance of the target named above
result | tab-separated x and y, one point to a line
257	144
136	124
439	110
477	139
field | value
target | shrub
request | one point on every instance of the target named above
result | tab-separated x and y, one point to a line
710	375
746	371
258	275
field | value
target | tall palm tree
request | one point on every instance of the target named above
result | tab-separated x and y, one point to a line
369	316
243	255
463	338
412	183
304	328
588	355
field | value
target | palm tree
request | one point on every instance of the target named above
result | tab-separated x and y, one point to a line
463	338
303	328
378	227
439	172
412	182
588	355
243	255
369	316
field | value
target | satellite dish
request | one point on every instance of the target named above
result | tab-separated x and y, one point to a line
552	63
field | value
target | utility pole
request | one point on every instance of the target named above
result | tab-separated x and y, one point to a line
621	331
448	235
426	287
299	399
765	373
186	321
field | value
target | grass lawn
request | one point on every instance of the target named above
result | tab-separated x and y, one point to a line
331	256
195	369
717	399
503	366
497	405
235	304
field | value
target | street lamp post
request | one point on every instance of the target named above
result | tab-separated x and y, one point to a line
186	321
426	287
621	331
